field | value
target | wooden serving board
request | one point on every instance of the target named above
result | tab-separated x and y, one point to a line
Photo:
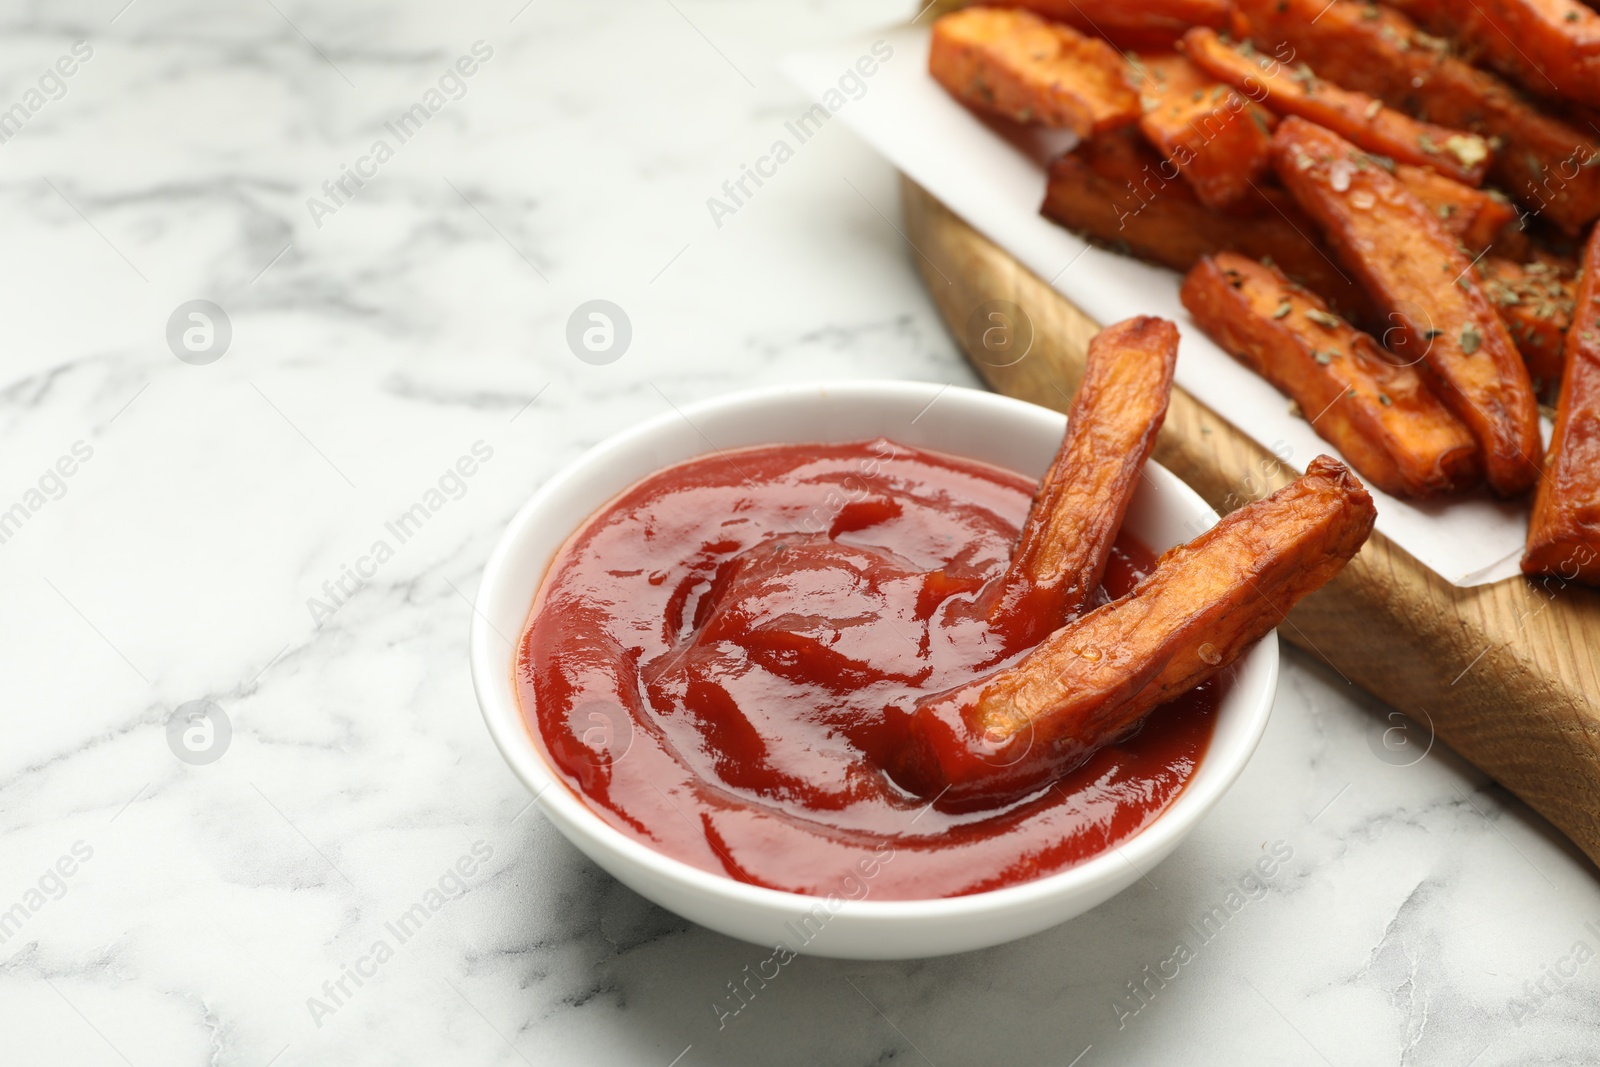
1507	674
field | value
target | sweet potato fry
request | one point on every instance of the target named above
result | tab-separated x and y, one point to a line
1546	163
1414	270
1219	141
1480	220
1062	550
1535	300
1119	191
1358	44
1384	419
1564	531
1091	681
1550	47
1021	67
1357	117
1132	23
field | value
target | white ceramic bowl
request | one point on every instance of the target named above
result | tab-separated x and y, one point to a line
962	422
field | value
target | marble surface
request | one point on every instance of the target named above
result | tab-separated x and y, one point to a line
158	910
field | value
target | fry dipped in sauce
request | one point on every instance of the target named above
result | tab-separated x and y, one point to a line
1097	677
730	661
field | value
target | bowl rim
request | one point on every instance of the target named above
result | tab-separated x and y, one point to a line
493	676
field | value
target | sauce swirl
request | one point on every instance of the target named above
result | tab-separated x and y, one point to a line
721	662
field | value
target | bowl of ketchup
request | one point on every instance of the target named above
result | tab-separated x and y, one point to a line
697	646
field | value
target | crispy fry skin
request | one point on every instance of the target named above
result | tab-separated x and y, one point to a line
1220	142
1383	418
1547	164
1119	191
1535	300
1480	220
1133	23
1360	45
1542	161
1564	531
1355	116
1549	47
1021	67
1413	269
1091	681
1062	550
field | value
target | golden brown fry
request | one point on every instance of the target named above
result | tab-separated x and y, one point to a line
1095	678
1550	47
1220	142
1413	268
1021	67
1359	118
1360	45
1062	550
1546	163
1535	301
1564	531
1133	23
1479	219
1383	418
1119	191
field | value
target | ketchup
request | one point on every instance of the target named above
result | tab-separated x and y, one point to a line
721	662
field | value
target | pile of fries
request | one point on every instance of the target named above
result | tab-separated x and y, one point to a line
1386	211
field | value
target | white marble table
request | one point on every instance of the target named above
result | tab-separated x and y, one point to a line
160	911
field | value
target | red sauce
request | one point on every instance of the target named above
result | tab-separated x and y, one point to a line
721	662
